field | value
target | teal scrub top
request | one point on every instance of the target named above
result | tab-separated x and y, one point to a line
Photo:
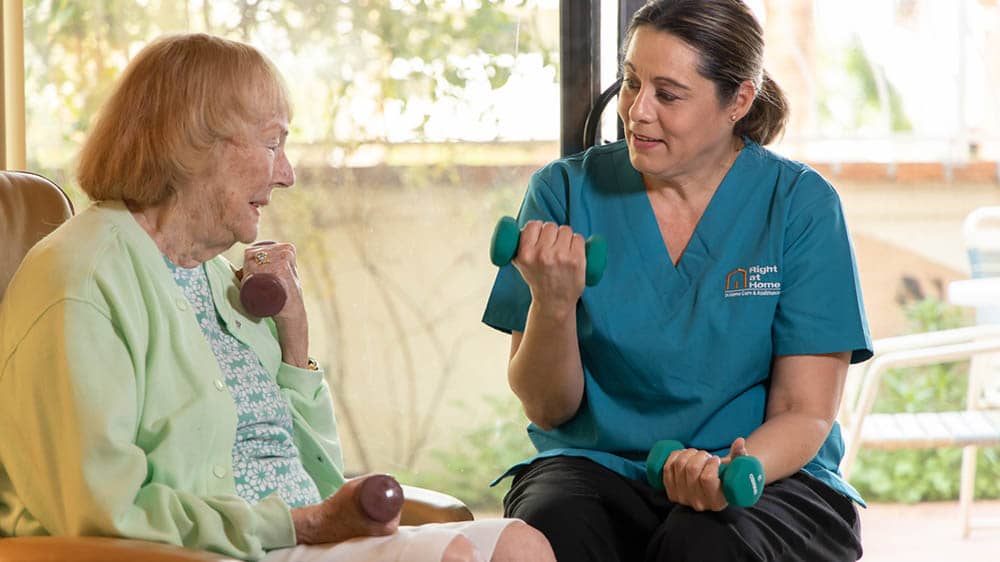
685	352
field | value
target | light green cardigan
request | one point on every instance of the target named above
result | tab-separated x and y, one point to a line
114	417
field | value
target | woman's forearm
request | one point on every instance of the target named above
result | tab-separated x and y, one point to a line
786	442
545	370
293	338
802	406
307	526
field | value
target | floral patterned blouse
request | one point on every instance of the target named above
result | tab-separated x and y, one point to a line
265	459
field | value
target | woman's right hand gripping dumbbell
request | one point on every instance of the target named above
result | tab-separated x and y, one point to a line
556	264
552	260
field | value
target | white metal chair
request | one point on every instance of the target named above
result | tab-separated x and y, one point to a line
979	423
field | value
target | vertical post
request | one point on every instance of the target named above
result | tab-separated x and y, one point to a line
579	68
625	10
13	85
3	120
961	152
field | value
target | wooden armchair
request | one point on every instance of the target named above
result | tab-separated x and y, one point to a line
31	206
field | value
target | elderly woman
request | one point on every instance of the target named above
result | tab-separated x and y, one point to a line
137	397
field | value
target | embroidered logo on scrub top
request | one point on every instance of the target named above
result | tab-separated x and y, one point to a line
754	281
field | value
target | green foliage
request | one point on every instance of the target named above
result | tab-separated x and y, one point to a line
925	474
932	314
856	95
876	99
357	70
482	453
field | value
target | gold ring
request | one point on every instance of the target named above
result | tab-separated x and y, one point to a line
260	258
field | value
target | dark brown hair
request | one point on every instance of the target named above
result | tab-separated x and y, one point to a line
730	42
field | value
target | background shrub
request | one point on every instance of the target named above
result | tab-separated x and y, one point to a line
478	456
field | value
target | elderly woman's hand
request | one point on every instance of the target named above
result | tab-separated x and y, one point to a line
338	518
278	259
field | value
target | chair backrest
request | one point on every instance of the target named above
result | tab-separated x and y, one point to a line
31	206
981	231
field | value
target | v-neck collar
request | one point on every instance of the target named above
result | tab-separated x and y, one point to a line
723	210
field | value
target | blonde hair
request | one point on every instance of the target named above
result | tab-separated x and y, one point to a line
177	99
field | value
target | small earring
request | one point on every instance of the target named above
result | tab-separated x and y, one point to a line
732	118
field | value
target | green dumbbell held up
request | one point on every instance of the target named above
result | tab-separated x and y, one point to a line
742	479
506	235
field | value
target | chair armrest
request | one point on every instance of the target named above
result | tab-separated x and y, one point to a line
935	338
421	505
99	549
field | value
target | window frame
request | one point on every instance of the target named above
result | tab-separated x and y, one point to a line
13	152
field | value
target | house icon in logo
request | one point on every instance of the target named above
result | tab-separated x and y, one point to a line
736	280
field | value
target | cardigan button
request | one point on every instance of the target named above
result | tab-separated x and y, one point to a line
219	471
182	304
219	385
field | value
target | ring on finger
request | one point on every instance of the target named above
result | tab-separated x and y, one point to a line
260	258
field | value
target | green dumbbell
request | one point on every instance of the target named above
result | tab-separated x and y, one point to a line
506	235
742	479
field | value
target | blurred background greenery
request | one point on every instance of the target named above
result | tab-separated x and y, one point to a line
418	122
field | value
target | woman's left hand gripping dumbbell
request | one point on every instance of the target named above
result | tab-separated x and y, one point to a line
276	262
706	482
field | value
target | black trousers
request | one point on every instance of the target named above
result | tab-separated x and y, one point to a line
592	514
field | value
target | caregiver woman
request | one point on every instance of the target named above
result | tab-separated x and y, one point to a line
726	318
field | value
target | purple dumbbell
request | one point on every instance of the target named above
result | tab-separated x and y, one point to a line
261	294
380	497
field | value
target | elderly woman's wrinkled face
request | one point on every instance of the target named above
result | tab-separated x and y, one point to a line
240	182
